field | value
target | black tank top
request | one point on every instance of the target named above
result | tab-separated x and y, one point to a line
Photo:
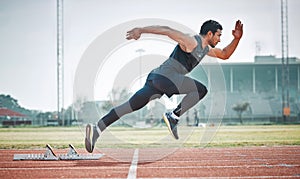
190	60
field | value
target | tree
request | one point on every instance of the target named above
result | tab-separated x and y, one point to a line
240	108
6	101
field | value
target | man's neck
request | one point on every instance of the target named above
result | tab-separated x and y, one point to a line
204	41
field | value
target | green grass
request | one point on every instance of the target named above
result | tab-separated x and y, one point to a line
232	136
19	138
226	136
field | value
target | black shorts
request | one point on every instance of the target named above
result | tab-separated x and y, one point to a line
166	86
163	85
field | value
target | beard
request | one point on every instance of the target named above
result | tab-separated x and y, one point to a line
210	42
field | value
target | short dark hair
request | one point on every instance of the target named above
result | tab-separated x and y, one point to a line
210	25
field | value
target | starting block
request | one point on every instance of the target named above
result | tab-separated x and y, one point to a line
73	155
50	155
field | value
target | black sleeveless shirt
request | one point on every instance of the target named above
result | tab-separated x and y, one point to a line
179	63
190	60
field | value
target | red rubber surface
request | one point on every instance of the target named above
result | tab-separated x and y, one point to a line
247	162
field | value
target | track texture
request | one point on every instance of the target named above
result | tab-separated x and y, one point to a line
245	162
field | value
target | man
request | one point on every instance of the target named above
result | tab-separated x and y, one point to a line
169	78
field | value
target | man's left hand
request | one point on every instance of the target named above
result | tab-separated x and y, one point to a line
238	31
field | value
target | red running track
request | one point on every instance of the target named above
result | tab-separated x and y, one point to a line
245	162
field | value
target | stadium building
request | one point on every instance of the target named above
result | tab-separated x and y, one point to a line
257	83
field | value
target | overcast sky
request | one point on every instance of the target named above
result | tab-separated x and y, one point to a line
28	36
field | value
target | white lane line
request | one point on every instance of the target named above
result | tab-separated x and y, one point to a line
133	166
239	177
222	166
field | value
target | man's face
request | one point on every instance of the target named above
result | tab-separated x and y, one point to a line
215	39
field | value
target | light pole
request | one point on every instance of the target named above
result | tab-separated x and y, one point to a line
140	51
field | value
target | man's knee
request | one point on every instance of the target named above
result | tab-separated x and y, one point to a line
137	101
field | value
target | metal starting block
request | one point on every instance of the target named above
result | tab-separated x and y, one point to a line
50	155
73	155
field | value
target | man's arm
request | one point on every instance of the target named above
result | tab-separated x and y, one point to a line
186	42
226	52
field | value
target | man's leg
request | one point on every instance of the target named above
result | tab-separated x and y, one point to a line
194	91
137	101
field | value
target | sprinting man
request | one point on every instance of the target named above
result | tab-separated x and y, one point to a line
169	78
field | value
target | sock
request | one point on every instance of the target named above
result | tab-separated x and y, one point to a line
107	120
98	129
173	115
101	126
177	111
96	134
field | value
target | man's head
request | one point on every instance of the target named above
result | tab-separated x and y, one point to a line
211	30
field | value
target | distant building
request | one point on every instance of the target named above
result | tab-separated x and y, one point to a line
258	83
12	118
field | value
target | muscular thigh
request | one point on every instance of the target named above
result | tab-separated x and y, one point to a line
169	88
143	96
191	85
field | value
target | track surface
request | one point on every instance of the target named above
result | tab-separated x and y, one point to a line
246	162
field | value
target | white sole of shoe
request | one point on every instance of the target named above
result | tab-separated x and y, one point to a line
88	144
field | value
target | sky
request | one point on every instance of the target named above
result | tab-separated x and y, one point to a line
28	36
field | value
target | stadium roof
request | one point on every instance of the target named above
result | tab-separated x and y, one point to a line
258	60
10	113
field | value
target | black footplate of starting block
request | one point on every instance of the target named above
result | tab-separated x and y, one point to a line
50	155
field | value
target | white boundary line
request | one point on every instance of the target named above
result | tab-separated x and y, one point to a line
133	166
258	177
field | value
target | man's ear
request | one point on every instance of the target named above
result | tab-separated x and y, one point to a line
210	34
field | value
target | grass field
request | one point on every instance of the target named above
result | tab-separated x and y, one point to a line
226	136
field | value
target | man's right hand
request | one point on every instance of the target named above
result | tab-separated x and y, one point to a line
133	34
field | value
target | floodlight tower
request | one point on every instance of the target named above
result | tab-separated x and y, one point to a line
285	60
140	51
60	61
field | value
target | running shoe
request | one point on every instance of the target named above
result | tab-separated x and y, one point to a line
92	134
171	124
